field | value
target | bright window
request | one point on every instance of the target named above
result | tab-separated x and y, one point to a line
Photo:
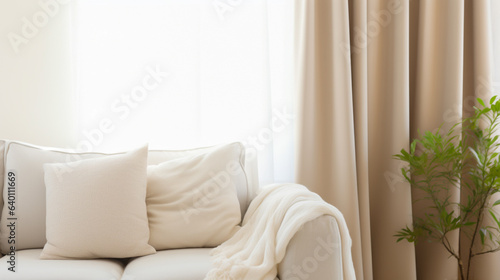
181	74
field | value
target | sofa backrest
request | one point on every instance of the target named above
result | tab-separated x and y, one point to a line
2	152
20	154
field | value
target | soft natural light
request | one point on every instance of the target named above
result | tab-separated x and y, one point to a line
182	74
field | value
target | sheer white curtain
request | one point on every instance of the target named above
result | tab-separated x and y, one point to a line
181	74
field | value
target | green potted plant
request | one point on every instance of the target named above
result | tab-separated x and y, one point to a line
465	157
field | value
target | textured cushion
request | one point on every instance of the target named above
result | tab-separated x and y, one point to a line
181	264
30	266
245	192
98	210
192	201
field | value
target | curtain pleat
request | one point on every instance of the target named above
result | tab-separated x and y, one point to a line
477	83
438	91
370	75
359	73
330	75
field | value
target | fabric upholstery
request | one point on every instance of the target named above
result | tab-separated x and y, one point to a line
30	266
177	264
272	220
29	159
314	252
27	162
2	151
249	160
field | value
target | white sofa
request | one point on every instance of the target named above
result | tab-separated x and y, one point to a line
310	254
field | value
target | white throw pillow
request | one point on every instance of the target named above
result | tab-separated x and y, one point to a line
192	201
98	210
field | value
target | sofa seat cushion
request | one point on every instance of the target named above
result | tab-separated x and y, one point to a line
30	266
178	264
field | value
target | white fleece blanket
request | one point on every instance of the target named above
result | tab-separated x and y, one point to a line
271	221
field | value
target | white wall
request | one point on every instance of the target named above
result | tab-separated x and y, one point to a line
36	100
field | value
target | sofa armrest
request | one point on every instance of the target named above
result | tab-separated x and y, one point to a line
314	252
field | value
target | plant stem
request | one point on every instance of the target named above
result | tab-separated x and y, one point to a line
461	267
447	245
476	228
472	244
487	252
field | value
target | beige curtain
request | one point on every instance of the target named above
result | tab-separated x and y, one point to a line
370	75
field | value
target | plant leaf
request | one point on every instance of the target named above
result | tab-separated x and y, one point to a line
492	100
475	155
412	147
481	102
482	233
